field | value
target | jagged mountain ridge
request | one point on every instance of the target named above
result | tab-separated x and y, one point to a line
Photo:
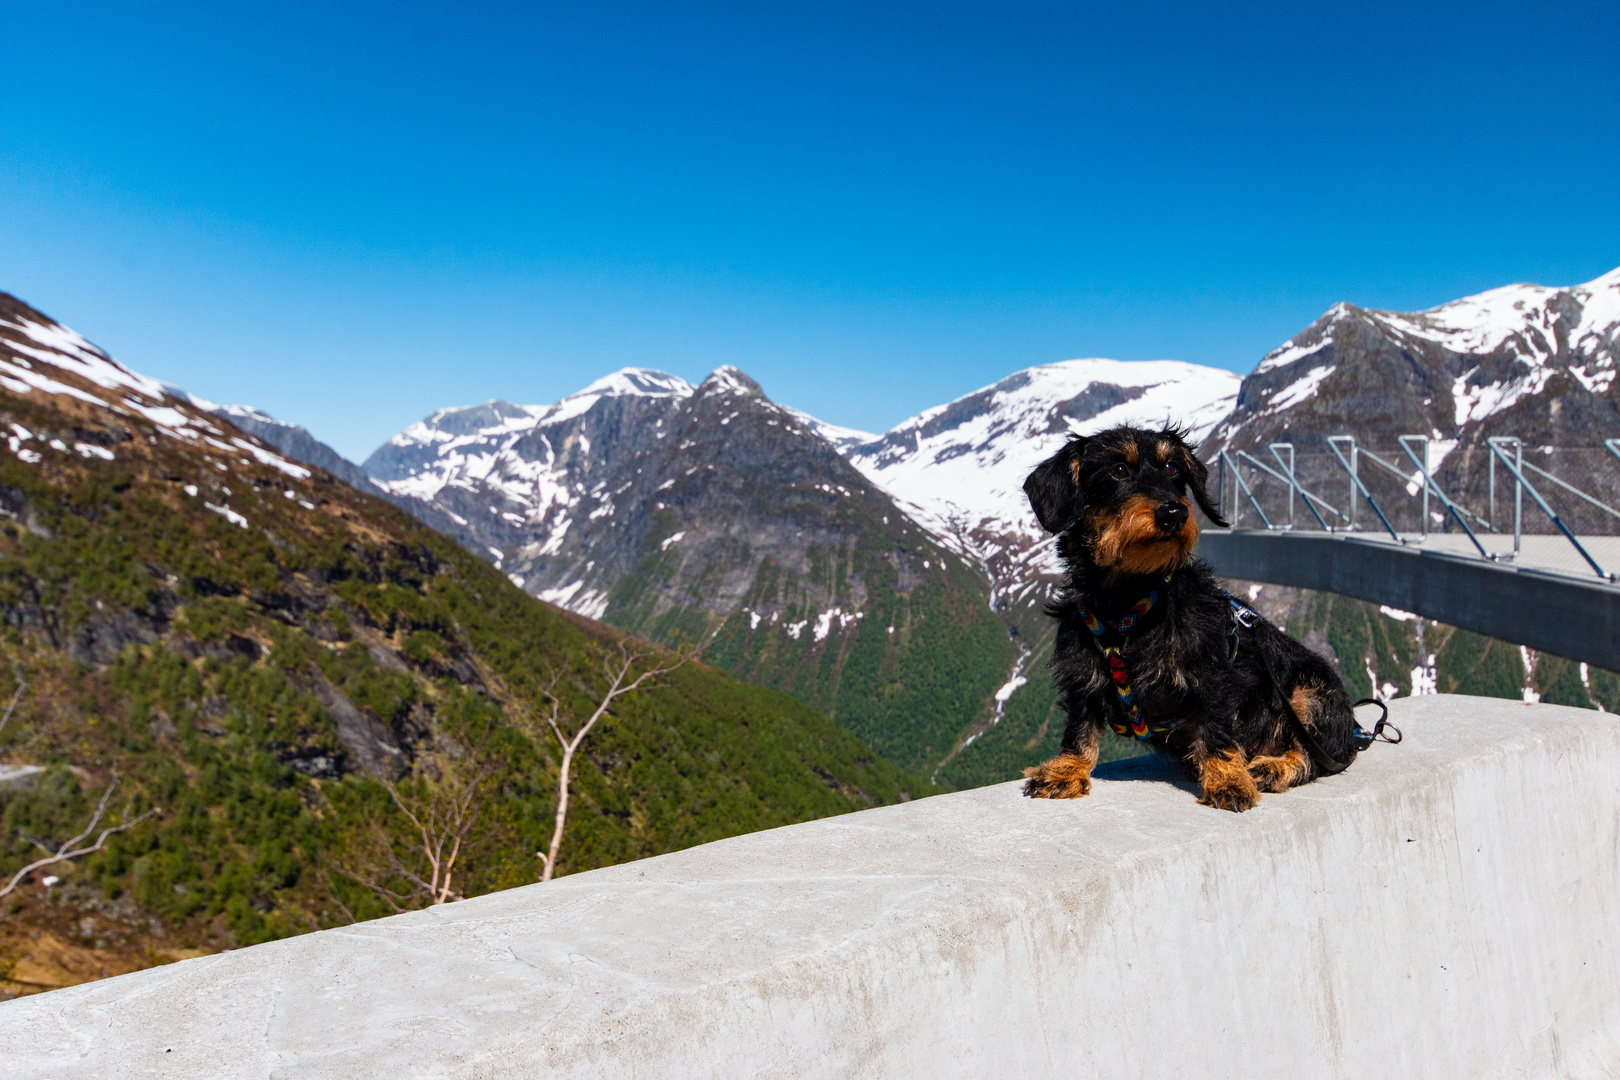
1505	353
517	480
1522	360
708	511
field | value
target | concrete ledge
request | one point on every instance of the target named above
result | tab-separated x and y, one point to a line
1574	617
1448	907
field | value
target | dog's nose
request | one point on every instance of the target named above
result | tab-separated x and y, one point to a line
1171	516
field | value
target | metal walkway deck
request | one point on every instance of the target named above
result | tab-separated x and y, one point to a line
1532	601
1532	561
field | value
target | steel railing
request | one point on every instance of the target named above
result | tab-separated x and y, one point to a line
1282	476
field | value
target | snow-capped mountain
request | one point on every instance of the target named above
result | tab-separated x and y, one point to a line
682	512
959	468
1521	360
39	354
518	479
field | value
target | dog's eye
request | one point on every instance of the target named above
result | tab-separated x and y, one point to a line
1119	472
1170	468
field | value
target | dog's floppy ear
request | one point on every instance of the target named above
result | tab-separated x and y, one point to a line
1198	476
1054	487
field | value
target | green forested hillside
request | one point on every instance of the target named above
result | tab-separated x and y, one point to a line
256	652
908	676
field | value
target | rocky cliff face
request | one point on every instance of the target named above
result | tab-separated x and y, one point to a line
1523	360
711	513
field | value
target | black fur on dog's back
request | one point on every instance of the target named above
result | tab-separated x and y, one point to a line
1112	500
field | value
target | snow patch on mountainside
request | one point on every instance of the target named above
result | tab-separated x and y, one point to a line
1475	403
842	438
67	350
1303	390
959	468
1519	316
39	355
473	447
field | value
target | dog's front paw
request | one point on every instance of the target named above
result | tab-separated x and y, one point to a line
1227	785
1067	776
1236	798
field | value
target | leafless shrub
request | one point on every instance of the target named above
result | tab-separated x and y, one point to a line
440	805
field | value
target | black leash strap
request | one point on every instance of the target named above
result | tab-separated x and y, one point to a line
1326	764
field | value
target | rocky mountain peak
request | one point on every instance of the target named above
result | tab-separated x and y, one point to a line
635	381
466	419
1493	363
729	381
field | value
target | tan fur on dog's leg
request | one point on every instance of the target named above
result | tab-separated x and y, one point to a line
1067	776
1282	771
1226	782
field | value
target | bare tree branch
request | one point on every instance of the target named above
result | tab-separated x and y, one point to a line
616	670
69	851
443	810
326	879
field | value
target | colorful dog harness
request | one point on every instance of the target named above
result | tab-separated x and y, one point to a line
1136	727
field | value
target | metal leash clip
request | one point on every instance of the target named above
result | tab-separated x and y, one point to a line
1365	738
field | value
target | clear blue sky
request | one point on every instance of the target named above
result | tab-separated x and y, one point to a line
349	215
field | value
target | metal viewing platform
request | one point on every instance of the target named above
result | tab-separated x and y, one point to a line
1534	565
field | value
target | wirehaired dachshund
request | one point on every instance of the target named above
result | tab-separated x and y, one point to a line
1150	645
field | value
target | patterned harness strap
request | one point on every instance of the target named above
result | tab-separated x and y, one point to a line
1135	727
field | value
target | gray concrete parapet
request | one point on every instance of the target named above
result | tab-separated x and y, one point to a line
1448	907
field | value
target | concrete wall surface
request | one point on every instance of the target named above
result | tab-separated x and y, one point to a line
1449	907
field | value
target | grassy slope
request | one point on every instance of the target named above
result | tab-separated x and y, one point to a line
163	642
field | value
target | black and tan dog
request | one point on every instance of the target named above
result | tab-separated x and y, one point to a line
1147	642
